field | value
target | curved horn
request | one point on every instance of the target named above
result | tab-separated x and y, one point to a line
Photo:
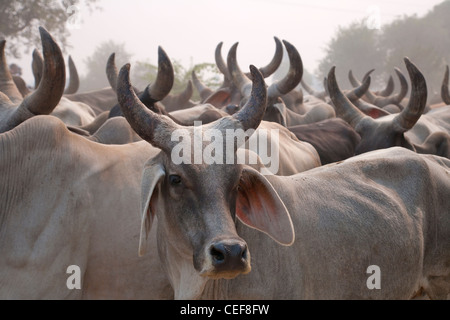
389	88
221	65
344	108
270	69
203	90
74	80
397	98
406	119
251	114
293	77
7	85
111	71
445	92
164	80
51	88
358	92
355	83
240	80
37	66
154	128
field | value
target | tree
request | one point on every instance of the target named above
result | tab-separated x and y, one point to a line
355	48
20	21
425	40
96	65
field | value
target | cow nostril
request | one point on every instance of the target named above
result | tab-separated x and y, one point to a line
244	253
217	254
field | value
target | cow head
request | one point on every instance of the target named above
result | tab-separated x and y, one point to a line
384	132
197	204
276	107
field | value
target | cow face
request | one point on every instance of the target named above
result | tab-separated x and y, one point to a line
197	191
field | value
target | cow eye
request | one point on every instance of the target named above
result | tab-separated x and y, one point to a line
174	179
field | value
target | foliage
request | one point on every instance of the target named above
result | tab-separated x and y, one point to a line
20	21
96	65
425	40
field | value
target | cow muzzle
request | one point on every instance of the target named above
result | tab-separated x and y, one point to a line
227	259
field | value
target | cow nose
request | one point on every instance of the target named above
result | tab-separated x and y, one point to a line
232	109
229	256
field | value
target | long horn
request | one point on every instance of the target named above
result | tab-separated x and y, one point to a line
203	90
152	127
74	80
355	83
251	114
293	77
37	66
221	65
397	98
240	80
270	69
406	119
445	92
164	80
389	89
344	108
358	92
51	88
7	85
111	71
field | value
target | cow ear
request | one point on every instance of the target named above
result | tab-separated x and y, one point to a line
280	107
259	206
152	175
219	98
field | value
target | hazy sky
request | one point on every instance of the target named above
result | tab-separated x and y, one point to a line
192	29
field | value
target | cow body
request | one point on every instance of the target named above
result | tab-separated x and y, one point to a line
69	201
387	208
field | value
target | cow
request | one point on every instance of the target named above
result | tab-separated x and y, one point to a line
67	201
13	108
99	100
225	231
73	114
228	93
277	110
334	139
406	129
37	65
392	104
295	155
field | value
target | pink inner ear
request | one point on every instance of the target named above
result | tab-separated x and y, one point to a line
219	98
375	113
259	207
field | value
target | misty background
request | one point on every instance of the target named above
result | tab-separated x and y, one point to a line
351	35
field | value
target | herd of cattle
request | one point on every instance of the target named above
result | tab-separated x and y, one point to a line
87	180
